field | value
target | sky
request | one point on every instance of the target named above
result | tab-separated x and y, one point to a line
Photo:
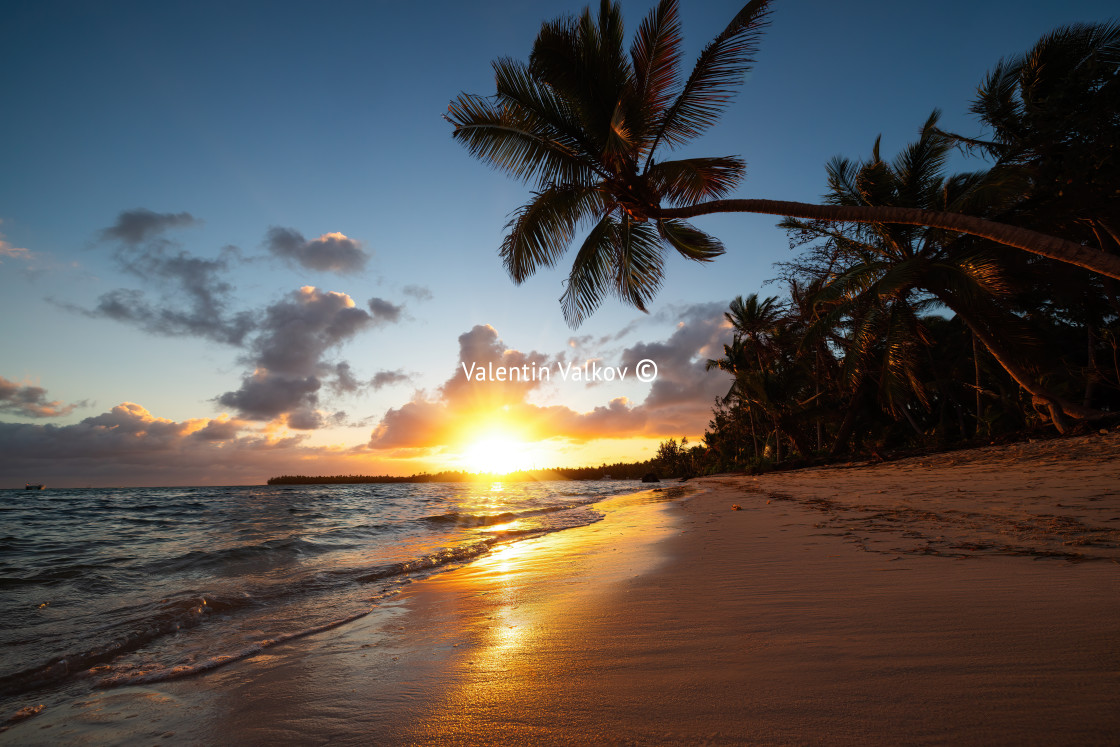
237	239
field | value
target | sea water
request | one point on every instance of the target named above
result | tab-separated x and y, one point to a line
113	586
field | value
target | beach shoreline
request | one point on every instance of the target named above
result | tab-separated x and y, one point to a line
963	597
969	597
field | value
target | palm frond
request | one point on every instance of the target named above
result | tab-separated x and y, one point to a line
640	263
621	142
900	277
514	143
996	103
543	111
620	258
590	278
690	180
690	241
918	169
541	230
655	54
720	67
582	60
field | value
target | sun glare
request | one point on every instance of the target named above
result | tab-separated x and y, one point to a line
496	455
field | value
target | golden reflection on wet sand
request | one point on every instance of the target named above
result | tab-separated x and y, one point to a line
456	654
518	605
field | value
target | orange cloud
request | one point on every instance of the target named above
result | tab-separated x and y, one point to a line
679	401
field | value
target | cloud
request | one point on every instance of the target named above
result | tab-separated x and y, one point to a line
13	252
31	401
345	381
285	343
219	429
678	403
194	296
288	355
383	379
296	331
305	419
384	312
196	283
130	445
264	395
419	292
681	359
142	225
331	252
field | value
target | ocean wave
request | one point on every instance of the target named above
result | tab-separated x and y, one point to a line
178	671
428	562
163	618
481	520
271	549
123	600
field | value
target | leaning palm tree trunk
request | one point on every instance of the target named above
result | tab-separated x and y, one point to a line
1041	244
976	372
1057	406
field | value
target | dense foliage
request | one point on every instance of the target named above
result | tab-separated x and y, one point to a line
897	337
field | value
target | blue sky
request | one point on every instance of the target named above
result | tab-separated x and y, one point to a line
328	119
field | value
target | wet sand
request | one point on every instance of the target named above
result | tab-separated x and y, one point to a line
971	597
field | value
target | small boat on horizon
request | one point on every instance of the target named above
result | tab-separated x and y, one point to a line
33	486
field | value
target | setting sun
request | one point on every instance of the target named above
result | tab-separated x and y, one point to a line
496	454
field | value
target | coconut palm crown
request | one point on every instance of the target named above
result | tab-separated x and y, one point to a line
583	121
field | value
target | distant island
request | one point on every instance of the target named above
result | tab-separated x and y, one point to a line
620	471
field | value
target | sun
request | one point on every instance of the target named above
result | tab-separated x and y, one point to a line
496	454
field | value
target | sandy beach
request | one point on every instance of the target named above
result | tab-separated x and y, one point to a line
969	597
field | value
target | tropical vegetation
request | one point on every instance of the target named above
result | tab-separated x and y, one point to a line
585	121
908	337
911	319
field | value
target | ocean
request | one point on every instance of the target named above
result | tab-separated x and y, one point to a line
119	586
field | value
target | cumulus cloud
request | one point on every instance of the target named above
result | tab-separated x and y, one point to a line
130	444
682	380
264	395
143	225
384	312
331	252
285	343
345	382
679	401
31	401
305	419
344	379
296	331
288	354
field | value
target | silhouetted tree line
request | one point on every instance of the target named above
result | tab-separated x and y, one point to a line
617	471
897	336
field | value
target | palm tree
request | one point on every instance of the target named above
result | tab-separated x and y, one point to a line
584	121
770	369
895	271
754	321
1054	118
